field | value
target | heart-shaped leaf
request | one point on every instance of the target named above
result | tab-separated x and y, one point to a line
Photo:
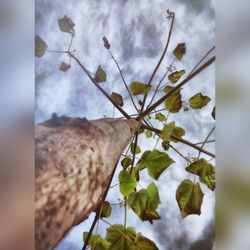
201	168
175	76
160	117
127	183
189	197
180	51
100	75
106	209
198	101
64	66
138	88
117	99
66	25
173	103
40	46
155	162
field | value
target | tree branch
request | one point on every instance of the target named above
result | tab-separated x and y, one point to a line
98	86
158	131
175	89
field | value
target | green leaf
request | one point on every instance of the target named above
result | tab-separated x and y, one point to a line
175	76
106	209
159	116
180	51
198	101
209	181
143	243
167	131
97	242
66	25
201	168
213	113
137	150
138	201
178	132
138	88
117	99
173	103
126	162
64	66
165	145
40	46
106	43
116	236
154	198
100	75
189	197
127	183
155	162
150	216
148	133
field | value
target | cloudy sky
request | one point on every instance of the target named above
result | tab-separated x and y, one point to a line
137	32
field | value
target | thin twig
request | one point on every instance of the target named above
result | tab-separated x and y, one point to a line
206	140
160	61
179	153
159	84
210	141
123	79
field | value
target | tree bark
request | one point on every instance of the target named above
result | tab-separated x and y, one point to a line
74	161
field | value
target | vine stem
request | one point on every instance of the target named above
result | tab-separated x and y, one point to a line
161	58
158	131
175	89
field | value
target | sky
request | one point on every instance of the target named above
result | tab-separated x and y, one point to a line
137	32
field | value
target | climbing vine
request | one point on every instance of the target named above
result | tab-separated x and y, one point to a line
144	202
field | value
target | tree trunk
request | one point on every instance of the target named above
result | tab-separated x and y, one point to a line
74	162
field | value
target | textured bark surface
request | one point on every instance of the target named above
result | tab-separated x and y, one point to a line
74	162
